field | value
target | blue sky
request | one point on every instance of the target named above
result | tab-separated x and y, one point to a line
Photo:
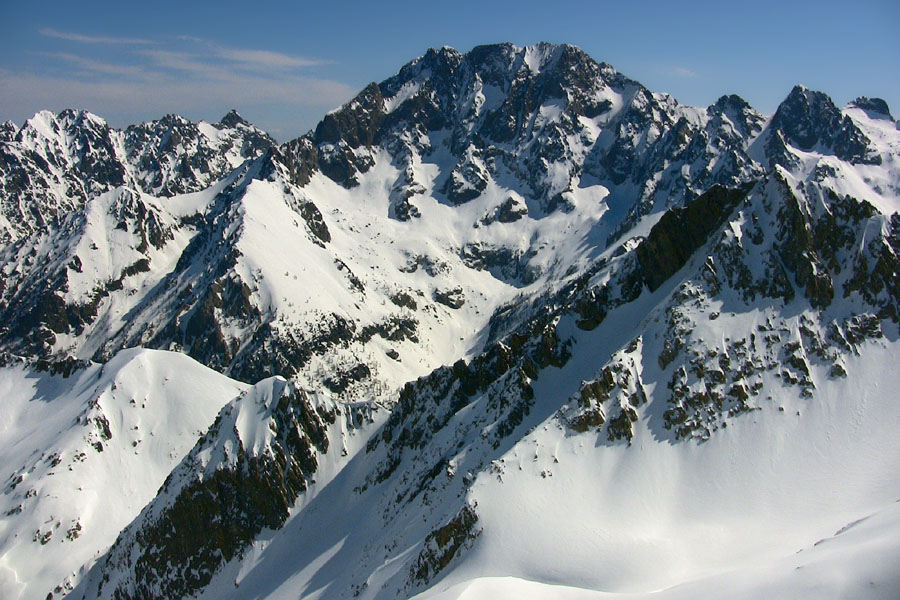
284	64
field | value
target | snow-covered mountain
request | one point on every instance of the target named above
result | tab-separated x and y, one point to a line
54	164
505	323
85	453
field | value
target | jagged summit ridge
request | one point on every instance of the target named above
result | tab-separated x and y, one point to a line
515	142
55	163
550	115
232	119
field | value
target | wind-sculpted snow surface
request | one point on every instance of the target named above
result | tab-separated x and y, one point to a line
507	323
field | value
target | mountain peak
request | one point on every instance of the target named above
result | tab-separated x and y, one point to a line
8	131
82	118
802	94
173	119
810	121
876	108
44	122
806	117
730	101
537	58
232	119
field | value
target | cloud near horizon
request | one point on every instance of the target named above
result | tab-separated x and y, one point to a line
90	39
185	75
684	72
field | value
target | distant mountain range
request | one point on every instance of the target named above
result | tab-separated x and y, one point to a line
506	323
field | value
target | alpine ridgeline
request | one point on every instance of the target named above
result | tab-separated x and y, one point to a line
505	323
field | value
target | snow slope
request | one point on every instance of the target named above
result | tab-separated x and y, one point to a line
84	454
776	503
474	476
776	492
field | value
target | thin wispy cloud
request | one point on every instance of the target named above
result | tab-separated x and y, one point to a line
90	39
684	72
251	57
192	76
202	59
179	61
94	66
265	58
172	93
300	101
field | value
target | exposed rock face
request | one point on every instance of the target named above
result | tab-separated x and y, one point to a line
509	212
681	231
809	120
442	545
619	382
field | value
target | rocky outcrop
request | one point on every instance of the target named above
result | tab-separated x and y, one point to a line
442	545
682	231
